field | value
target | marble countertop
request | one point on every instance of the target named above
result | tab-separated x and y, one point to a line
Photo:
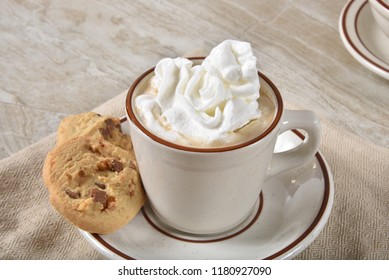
65	57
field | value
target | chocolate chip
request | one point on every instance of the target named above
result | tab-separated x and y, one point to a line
109	123
116	165
100	185
106	132
112	165
72	194
100	197
113	124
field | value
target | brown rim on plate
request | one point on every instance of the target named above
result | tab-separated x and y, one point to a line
344	28
359	36
383	4
282	251
135	121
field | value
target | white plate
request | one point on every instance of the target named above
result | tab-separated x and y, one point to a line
363	38
294	209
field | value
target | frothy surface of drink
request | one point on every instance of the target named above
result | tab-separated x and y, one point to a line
202	105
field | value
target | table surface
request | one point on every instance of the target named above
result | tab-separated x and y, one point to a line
66	57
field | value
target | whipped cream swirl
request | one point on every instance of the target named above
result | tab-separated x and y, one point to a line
203	103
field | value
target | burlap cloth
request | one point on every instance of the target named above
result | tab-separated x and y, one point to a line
358	227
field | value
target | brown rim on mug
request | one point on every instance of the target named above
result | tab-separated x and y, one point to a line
134	119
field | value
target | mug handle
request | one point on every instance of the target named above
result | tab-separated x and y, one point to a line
300	119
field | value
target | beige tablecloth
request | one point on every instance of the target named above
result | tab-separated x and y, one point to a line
358	227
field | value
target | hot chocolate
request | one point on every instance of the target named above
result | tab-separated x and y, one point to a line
254	128
216	103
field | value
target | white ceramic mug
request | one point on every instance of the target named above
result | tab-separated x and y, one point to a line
380	10
212	190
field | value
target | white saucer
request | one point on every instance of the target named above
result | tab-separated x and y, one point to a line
363	38
294	209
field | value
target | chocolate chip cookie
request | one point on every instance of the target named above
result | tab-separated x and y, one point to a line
93	183
93	125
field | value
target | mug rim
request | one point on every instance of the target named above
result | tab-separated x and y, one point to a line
132	117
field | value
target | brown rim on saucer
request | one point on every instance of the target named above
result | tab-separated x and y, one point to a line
347	35
359	36
135	121
282	251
